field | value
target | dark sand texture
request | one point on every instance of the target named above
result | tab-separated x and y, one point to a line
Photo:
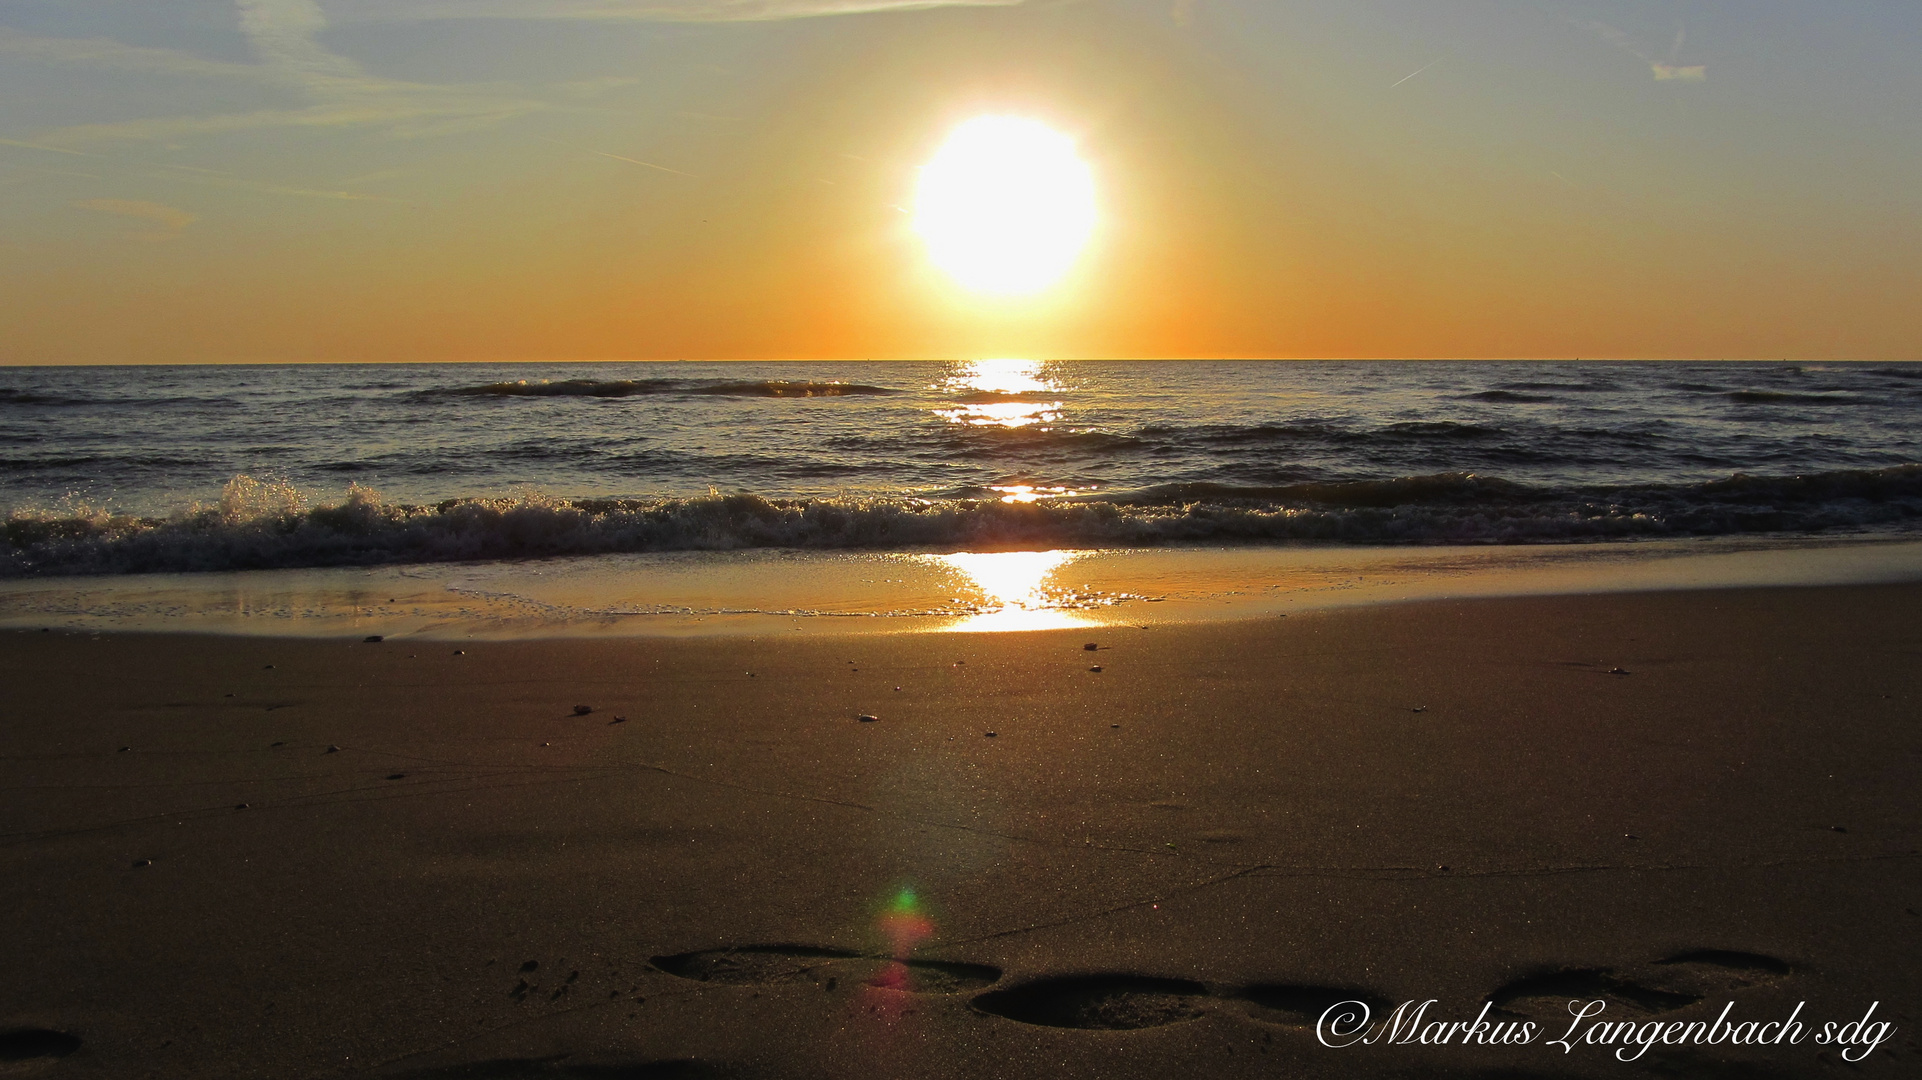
1447	800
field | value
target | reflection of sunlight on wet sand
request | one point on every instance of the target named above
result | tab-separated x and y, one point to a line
1002	377
1014	580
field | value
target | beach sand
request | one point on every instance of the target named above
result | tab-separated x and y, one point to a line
1163	868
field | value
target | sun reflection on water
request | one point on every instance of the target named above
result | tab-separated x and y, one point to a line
1007	393
1017	582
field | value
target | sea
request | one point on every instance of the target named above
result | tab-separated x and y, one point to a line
186	469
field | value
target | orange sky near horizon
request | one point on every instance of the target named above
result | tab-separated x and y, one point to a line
1289	180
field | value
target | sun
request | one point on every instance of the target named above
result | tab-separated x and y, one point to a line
1006	205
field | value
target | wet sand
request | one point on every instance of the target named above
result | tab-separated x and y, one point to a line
1167	867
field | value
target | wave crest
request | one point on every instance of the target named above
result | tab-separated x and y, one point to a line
261	525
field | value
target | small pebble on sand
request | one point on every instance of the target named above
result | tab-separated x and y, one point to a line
867	718
1617	671
240	806
990	734
138	863
1092	646
583	710
370	638
333	749
1097	667
619	720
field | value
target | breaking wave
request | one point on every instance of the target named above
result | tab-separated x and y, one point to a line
259	525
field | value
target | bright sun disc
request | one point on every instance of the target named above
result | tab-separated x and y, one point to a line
1005	206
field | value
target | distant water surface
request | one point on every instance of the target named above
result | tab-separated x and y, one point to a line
202	468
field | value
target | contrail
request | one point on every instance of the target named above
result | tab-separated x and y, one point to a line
1415	72
617	157
638	161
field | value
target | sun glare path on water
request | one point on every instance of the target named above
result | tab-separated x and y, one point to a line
1005	206
1006	392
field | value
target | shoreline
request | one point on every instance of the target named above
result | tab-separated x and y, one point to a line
840	593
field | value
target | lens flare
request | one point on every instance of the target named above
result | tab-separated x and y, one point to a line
905	926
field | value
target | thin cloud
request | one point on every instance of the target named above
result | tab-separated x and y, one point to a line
1664	68
101	52
643	10
48	149
171	219
212	178
403	118
1667	72
282	34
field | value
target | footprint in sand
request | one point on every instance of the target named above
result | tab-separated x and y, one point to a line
568	1067
1665	985
1713	972
1098	1002
35	1044
1546	994
775	965
1117	1002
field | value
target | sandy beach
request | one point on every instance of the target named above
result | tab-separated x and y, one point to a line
261	857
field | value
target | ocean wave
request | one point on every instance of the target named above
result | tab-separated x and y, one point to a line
620	388
1778	397
12	396
1509	395
264	525
1576	387
1441	429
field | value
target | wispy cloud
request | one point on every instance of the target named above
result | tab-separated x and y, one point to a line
648	10
1665	69
171	220
39	146
1666	72
213	178
282	34
103	53
337	92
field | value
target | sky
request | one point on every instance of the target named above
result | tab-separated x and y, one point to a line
439	180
